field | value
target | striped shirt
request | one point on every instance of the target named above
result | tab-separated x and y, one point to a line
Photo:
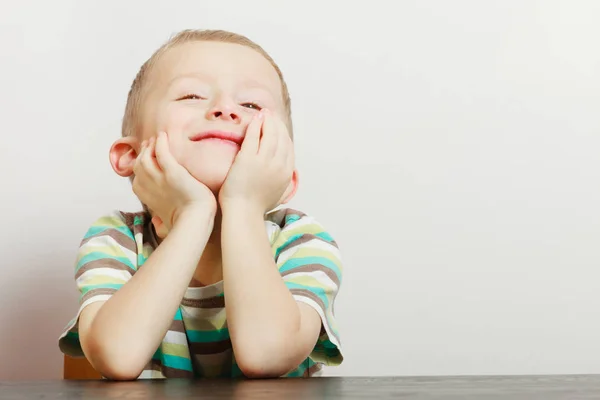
197	343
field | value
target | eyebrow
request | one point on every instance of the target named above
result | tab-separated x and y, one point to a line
248	84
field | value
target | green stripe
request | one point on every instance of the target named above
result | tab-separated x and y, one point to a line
324	236
178	316
207	336
99	255
176	362
316	290
87	288
98	229
291	239
141	259
291	218
296	262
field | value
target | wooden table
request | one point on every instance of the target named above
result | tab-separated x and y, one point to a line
422	388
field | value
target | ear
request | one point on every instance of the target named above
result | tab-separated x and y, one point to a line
292	188
122	155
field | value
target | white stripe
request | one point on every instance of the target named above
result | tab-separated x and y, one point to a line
316	244
204	292
151	374
318	309
90	274
303	221
202	313
94	299
175	338
107	241
271	228
319	276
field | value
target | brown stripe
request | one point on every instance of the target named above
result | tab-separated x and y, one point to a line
121	238
314	268
316	299
104	263
210	348
303	239
129	217
149	234
314	369
96	292
177	326
168	372
211	302
279	216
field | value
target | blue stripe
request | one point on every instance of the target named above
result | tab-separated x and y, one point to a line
301	261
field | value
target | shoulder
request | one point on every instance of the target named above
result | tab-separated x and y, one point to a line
291	222
292	230
113	236
117	223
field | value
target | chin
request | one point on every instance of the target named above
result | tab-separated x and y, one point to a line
213	178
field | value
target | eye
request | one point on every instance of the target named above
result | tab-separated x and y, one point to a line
252	106
190	97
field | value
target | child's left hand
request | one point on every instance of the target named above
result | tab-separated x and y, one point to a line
263	168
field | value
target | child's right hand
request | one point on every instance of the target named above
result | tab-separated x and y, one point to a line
166	187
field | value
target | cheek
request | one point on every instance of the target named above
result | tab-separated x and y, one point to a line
176	121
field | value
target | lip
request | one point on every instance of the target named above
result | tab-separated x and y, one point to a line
222	135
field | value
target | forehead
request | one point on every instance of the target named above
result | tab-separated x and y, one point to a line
217	61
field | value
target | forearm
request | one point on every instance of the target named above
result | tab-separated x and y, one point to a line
264	319
129	327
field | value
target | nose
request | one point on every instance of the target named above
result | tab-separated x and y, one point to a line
224	109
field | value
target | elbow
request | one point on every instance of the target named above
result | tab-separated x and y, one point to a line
119	372
264	360
113	364
257	369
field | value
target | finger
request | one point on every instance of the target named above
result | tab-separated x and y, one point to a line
149	162
138	160
159	227
284	145
252	138
269	138
165	159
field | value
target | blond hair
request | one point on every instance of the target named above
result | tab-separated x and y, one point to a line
136	92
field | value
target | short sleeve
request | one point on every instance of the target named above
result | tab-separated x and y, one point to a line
310	264
106	260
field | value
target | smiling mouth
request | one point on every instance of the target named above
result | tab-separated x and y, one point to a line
218	135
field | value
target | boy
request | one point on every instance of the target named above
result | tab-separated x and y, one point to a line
207	144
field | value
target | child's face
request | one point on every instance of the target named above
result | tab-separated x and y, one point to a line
198	87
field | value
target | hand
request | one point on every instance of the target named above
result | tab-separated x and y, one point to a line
166	187
263	168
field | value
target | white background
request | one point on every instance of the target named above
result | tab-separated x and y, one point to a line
452	149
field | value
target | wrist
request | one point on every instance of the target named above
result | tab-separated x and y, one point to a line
194	215
239	208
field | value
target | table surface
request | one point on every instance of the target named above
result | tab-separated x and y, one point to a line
422	388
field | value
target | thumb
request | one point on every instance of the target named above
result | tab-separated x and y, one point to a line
159	227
